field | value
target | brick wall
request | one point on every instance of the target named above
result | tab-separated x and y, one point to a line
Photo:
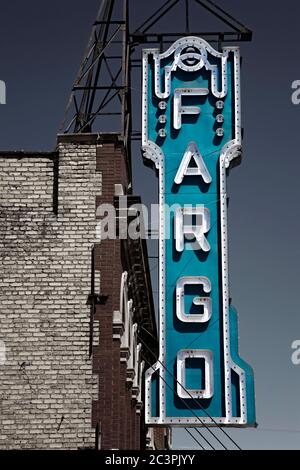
63	379
115	409
46	384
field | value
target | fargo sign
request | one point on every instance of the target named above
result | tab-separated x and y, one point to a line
192	133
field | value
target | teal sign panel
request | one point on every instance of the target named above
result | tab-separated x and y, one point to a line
192	134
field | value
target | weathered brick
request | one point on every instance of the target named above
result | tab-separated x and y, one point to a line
44	316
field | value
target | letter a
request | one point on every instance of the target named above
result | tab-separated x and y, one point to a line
200	168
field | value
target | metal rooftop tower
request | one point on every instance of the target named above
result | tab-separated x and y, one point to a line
101	97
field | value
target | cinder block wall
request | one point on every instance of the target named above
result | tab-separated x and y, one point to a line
46	383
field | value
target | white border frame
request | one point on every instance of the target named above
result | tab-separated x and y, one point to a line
230	151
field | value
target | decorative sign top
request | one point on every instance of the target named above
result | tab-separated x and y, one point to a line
191	133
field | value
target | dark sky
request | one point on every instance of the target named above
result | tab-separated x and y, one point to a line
41	44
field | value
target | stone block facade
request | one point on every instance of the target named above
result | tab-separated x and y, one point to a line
46	382
63	383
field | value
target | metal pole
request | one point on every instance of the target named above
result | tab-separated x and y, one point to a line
124	68
187	17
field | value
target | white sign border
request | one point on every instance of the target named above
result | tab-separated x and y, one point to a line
230	151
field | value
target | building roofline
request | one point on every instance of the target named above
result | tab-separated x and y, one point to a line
26	154
90	138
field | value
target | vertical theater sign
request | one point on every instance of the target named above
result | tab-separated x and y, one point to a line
192	134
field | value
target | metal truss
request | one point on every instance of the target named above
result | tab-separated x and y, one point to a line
101	97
